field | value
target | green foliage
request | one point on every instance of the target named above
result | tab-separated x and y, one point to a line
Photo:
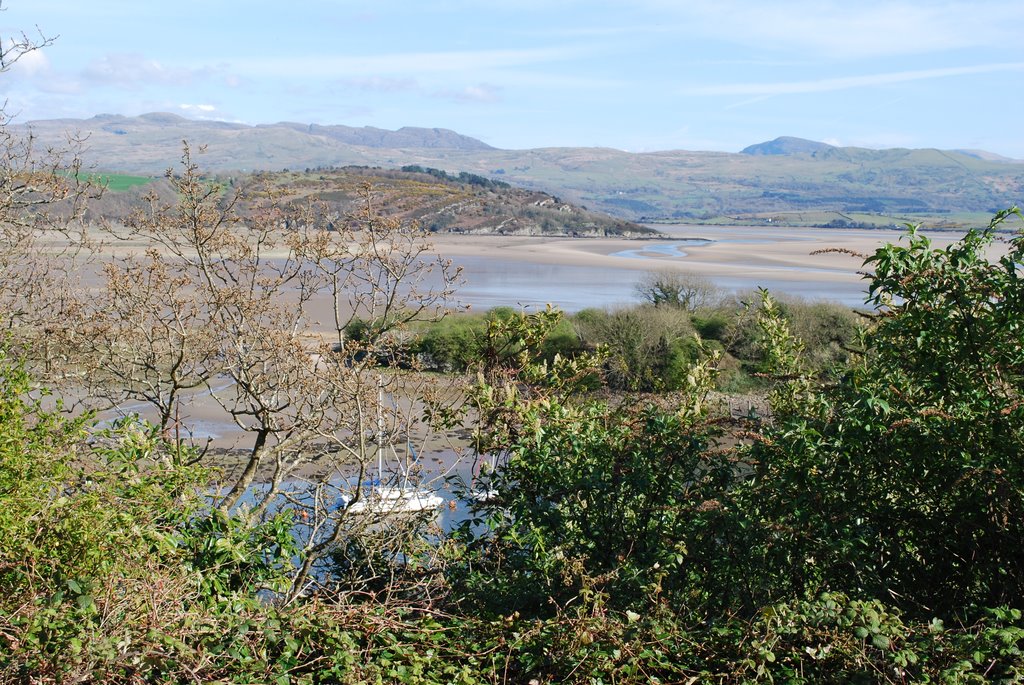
899	485
867	530
835	639
461	177
85	520
593	498
71	508
905	479
235	556
828	332
463	342
712	324
452	344
783	359
650	348
620	505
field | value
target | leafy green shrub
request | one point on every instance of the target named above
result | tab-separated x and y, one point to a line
835	639
650	348
88	524
460	343
561	340
906	480
869	532
452	344
234	556
828	332
622	500
712	324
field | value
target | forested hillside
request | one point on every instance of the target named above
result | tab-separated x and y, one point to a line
439	201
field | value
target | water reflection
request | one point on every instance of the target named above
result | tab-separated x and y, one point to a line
495	282
673	249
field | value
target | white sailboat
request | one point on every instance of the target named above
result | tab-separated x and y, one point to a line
382	500
398	499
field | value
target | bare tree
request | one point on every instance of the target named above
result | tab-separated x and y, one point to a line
672	288
218	292
42	194
16	46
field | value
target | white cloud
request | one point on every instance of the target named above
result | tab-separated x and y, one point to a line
482	93
381	84
845	83
134	70
23	62
203	109
29	64
33	70
401	63
846	29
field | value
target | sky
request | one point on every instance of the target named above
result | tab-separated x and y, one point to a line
640	76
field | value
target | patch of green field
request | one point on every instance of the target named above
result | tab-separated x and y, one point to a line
839	219
956	220
118	183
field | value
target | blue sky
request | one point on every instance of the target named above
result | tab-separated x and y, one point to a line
640	76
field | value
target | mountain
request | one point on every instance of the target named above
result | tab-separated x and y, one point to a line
786	179
405	137
787	145
158	123
145	143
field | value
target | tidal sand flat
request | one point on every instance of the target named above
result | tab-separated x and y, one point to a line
578	273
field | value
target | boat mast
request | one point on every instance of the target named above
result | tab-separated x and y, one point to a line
380	431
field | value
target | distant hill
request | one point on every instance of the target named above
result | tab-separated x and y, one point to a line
989	156
787	145
787	179
143	141
405	137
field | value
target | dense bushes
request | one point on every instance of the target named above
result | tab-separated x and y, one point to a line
906	479
459	343
652	347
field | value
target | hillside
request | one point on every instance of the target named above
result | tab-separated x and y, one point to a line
787	178
462	203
